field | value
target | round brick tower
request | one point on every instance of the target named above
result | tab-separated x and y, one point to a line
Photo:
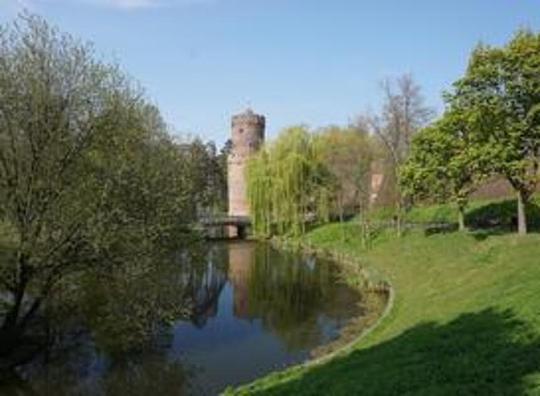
247	138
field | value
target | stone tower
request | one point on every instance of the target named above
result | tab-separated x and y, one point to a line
247	138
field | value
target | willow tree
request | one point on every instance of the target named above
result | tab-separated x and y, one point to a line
259	184
288	184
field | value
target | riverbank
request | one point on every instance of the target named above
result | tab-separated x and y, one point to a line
466	318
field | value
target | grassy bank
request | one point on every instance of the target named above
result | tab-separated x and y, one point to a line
466	319
480	213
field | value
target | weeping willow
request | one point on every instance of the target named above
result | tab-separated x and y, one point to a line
288	185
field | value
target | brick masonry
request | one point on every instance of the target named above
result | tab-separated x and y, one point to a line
247	131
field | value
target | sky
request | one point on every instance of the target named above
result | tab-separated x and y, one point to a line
316	62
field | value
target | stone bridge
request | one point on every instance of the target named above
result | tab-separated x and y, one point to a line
235	226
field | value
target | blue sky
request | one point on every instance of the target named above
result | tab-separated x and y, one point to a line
317	62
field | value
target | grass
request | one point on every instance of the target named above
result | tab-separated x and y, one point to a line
466	319
480	213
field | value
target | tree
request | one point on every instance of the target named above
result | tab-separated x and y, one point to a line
308	177
288	185
501	89
347	153
402	115
445	163
208	170
88	174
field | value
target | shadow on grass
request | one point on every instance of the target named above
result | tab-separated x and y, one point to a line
483	234
485	353
446	229
502	215
495	218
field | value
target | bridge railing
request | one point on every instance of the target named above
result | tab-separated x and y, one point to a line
217	220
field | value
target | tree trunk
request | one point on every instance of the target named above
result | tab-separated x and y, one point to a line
9	332
398	217
341	222
521	215
16	320
12	316
9	339
461	218
363	229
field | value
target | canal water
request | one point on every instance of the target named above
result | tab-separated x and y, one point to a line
252	310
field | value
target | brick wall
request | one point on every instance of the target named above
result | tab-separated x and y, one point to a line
247	135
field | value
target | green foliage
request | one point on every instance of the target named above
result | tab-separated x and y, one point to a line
208	170
492	125
500	93
348	154
287	183
304	177
89	177
445	163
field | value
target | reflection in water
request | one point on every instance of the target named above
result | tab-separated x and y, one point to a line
206	287
252	309
241	261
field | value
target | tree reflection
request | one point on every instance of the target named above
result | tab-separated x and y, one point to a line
135	376
153	375
288	293
205	284
128	310
113	333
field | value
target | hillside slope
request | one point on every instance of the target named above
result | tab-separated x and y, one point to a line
466	319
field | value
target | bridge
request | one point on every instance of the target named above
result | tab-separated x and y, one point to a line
234	226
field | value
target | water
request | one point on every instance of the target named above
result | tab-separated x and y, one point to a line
256	310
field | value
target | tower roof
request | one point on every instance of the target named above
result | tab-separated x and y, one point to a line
248	116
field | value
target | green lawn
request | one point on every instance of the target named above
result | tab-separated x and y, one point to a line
466	319
479	214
